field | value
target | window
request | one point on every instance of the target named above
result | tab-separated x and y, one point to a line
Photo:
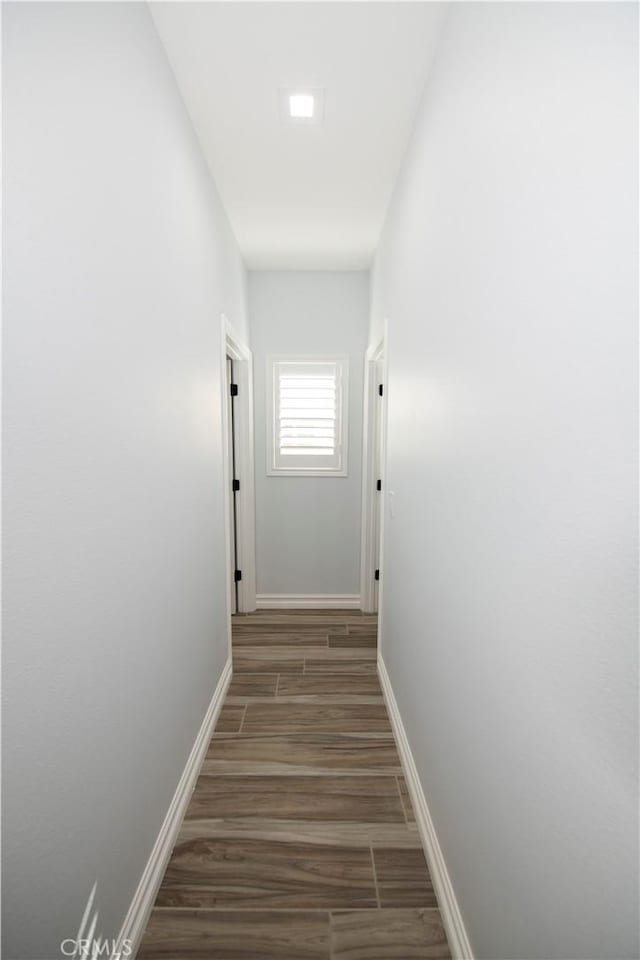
307	416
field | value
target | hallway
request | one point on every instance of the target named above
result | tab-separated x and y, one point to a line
300	839
320	480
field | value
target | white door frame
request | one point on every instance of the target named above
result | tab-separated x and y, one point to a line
233	346
370	532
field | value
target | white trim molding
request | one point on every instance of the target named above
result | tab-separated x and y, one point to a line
459	944
311	601
144	898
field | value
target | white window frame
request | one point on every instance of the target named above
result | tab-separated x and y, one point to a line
305	466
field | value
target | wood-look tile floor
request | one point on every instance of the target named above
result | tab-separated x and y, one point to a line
299	841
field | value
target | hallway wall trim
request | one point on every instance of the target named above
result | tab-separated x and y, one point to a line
450	911
147	890
312	601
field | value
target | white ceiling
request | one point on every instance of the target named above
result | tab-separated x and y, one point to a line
302	195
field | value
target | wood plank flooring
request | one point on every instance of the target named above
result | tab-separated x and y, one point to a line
299	841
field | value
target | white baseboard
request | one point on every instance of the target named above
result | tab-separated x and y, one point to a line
450	911
138	914
312	601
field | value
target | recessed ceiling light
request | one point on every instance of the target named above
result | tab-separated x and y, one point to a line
301	106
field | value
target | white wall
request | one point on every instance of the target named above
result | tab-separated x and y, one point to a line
308	528
509	274
118	263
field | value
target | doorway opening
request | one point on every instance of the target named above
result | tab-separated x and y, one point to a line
234	486
373	480
237	380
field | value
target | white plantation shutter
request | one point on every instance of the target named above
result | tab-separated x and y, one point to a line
307	415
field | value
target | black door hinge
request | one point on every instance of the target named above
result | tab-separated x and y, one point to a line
379	485
376	575
380	389
237	575
233	387
235	486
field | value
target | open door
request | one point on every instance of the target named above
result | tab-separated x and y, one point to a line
234	484
373	462
379	466
238	470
